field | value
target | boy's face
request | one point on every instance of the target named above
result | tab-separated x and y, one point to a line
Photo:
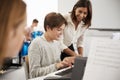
56	33
35	24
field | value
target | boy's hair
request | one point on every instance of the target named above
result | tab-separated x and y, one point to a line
54	20
35	21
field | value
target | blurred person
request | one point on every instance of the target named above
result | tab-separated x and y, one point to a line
29	30
12	24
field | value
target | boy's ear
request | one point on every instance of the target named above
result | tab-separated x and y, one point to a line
47	27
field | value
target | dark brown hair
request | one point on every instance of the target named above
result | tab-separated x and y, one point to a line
54	20
35	21
83	3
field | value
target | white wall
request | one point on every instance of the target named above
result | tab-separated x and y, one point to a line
38	9
65	6
106	14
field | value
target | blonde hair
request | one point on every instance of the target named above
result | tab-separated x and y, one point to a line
12	14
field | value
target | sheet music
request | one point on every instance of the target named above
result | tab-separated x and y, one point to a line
103	60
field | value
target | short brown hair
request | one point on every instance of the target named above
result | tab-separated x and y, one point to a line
54	20
35	21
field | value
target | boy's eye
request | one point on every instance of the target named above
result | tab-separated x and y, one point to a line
58	29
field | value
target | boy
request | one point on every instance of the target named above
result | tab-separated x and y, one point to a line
44	52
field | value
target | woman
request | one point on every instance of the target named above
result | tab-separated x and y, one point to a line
12	23
78	21
44	52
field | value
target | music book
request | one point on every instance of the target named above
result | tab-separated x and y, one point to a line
103	60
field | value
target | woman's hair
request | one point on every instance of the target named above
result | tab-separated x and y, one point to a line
54	20
83	3
12	14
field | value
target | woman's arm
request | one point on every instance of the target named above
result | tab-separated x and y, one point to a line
66	49
80	51
69	52
80	45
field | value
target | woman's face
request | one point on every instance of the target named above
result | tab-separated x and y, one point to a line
15	40
56	33
81	13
